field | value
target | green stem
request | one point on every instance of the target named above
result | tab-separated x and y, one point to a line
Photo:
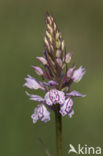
58	120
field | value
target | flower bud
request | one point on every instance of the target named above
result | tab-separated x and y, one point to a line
58	43
46	42
59	61
50	29
42	60
68	57
58	53
57	35
38	70
49	36
70	72
63	45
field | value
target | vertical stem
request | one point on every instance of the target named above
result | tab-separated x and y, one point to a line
58	120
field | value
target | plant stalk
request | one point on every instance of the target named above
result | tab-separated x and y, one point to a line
58	121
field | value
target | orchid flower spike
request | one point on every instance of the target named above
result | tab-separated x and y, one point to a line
56	77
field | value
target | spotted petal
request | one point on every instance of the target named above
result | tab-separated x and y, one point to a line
41	113
54	96
66	107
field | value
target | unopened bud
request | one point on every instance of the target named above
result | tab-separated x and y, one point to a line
38	70
42	60
58	53
49	19
63	45
46	42
58	44
49	36
59	61
50	29
55	27
70	72
68	57
57	35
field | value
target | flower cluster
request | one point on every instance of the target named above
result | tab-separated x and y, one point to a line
56	77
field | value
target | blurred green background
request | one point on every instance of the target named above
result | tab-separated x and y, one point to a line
22	29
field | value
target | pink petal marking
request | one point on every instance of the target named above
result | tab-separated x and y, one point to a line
54	96
66	107
40	113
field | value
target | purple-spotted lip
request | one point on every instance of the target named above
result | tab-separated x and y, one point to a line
65	109
54	96
41	113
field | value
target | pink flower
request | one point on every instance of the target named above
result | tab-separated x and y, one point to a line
41	113
66	107
59	61
38	70
78	74
54	96
32	83
42	60
68	57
